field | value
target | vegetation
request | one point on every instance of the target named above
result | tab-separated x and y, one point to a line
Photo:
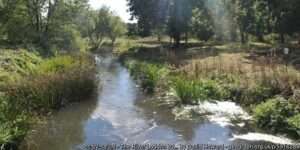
227	20
273	113
194	91
263	84
104	24
293	123
45	86
32	86
44	60
149	74
239	50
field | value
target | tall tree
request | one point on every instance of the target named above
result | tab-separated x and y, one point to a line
178	23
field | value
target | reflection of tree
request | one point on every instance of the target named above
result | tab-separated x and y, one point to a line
164	116
64	130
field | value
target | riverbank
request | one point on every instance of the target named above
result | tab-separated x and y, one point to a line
203	72
33	87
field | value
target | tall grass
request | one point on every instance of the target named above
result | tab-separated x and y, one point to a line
250	81
195	91
49	85
148	74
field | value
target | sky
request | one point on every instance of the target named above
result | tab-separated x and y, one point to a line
118	6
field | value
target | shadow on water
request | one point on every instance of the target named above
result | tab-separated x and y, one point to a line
121	113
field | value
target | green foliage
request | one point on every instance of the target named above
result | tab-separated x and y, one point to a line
57	64
149	74
294	123
15	63
49	85
193	91
14	123
104	23
272	114
70	40
117	28
201	24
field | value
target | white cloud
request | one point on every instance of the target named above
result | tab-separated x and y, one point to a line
118	6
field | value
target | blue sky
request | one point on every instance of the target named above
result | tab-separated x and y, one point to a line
118	6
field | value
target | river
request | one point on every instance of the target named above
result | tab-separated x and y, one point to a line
121	113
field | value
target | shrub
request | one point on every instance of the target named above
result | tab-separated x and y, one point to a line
16	63
272	114
193	91
57	64
294	123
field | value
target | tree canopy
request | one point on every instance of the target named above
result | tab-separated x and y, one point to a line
222	20
52	25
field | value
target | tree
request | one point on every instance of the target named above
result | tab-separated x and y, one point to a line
178	23
98	26
245	17
132	29
116	28
144	12
202	24
41	23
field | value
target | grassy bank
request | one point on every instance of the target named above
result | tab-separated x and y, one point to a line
32	86
262	84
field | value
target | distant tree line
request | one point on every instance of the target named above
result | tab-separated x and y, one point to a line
232	20
51	25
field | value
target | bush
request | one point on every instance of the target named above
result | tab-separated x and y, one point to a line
193	91
69	39
272	114
294	123
57	64
16	63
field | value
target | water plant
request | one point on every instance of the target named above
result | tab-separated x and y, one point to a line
194	91
148	74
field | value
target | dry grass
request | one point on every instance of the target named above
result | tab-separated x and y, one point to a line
249	72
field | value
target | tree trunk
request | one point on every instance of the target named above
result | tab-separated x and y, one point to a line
282	38
243	40
177	41
186	37
159	38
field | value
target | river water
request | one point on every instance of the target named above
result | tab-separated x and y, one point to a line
121	113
